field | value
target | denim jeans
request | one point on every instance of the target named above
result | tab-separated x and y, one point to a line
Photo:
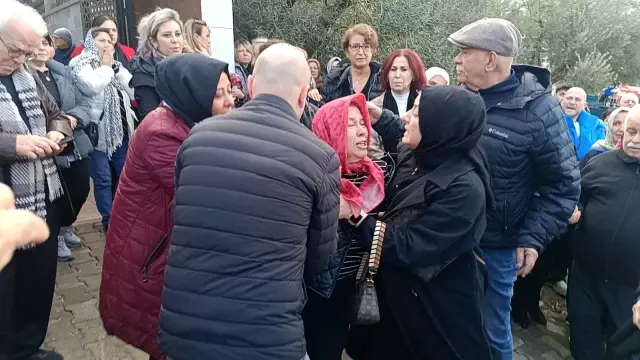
501	273
101	173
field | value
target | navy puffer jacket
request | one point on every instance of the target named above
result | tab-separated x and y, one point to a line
534	170
256	207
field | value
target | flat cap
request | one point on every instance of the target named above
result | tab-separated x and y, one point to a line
491	34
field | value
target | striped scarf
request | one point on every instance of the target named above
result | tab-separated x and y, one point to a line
30	179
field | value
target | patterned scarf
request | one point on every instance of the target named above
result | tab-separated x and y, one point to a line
30	179
111	113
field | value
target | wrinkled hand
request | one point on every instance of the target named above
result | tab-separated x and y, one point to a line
56	136
73	122
575	217
374	112
345	209
314	95
636	314
525	260
33	147
17	227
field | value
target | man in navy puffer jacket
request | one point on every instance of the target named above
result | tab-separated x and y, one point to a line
535	177
256	207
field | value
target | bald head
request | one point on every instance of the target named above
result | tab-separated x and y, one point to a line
631	137
282	70
574	102
629	100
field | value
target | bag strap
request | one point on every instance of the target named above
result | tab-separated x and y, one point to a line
376	247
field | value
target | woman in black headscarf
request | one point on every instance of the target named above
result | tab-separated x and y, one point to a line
430	281
192	88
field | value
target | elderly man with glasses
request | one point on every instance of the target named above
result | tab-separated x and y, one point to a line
31	132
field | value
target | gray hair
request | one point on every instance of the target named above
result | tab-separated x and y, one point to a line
149	26
12	9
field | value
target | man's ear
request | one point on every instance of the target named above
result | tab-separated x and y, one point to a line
302	97
492	62
250	86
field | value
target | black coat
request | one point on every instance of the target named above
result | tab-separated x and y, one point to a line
257	198
606	245
434	222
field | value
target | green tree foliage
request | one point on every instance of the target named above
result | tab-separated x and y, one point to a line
590	43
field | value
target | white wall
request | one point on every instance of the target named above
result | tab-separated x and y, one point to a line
219	16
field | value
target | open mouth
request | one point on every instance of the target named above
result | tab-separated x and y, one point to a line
361	144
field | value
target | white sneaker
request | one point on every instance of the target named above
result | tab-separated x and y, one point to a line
560	288
64	254
72	240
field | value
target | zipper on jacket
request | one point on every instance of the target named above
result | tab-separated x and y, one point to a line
155	254
615	233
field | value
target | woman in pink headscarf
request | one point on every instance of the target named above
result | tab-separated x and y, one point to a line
343	124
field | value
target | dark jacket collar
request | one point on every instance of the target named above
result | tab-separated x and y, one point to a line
269	101
626	158
534	82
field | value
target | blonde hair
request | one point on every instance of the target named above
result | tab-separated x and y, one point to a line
191	28
246	45
149	26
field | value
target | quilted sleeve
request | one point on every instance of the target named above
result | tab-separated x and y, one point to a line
558	183
321	237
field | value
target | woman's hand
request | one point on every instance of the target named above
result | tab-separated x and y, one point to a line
314	95
237	93
575	217
374	112
345	209
73	122
636	314
107	58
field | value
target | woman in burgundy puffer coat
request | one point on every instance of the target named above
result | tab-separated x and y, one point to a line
193	87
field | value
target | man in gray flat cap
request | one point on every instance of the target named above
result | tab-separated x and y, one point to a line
534	169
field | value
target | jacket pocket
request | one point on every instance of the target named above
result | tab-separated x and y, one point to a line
153	256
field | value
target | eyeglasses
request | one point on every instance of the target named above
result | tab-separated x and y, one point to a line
356	47
16	53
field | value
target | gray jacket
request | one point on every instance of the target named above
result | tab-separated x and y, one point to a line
91	83
74	104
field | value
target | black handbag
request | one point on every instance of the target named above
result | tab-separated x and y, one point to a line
92	132
364	305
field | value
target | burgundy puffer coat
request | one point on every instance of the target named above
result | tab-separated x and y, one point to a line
138	238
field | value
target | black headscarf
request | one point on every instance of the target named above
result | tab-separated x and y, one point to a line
188	83
452	121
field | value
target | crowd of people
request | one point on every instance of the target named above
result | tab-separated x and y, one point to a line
288	209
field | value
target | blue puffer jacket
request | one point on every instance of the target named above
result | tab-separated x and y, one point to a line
534	170
592	129
256	204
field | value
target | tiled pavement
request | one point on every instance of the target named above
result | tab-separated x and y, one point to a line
75	329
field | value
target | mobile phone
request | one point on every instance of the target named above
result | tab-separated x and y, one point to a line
65	140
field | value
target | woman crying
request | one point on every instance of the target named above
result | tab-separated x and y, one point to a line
344	125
